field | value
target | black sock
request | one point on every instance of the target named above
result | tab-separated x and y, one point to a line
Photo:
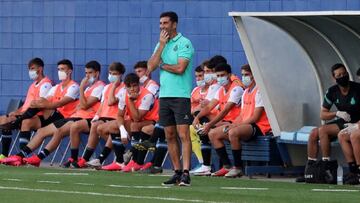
104	154
141	157
186	171
158	132
237	158
160	152
43	154
144	136
6	141
159	155
118	147
206	150
25	151
135	137
74	153
352	167
88	153
24	138
221	152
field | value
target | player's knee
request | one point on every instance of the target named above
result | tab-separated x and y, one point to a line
354	138
314	135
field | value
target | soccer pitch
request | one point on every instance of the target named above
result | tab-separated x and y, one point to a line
27	184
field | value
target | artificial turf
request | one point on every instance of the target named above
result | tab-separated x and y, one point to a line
27	184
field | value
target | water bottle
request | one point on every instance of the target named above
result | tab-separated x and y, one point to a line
339	175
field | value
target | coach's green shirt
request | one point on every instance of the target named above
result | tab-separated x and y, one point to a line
171	84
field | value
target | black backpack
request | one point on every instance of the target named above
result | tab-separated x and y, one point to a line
321	172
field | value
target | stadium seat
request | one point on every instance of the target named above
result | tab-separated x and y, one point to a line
261	156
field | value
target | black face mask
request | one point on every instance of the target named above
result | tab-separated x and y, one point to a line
343	81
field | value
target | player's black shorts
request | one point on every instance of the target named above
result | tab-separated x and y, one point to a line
52	118
255	132
105	119
60	123
339	122
175	111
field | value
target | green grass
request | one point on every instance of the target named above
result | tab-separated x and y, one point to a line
203	189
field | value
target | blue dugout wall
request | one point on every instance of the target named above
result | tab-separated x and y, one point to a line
126	31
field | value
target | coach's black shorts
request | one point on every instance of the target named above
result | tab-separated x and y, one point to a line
175	111
52	118
60	123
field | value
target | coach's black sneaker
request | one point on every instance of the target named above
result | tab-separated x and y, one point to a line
174	180
351	179
185	180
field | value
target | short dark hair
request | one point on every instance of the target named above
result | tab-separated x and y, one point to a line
93	65
246	67
66	62
117	66
205	63
199	69
223	67
171	14
36	61
358	72
335	67
215	60
131	78
141	64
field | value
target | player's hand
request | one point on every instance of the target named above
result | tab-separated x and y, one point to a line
350	127
84	82
206	129
196	122
164	37
344	115
96	118
133	95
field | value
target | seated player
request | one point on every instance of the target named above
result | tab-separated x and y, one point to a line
227	98
251	122
137	108
90	94
200	97
349	139
29	118
140	69
345	95
107	111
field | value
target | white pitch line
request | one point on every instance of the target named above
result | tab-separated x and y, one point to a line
88	184
68	174
47	181
139	186
160	175
12	179
334	190
243	188
107	194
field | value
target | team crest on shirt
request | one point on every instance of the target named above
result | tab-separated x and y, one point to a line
352	102
175	48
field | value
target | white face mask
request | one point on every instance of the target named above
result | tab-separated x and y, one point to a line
143	79
113	78
33	74
223	81
246	80
200	83
209	77
91	80
62	75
